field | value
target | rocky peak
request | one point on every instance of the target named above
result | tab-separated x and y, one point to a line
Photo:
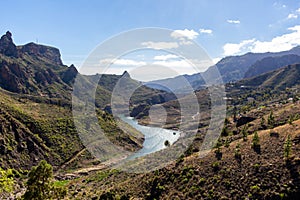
70	74
126	74
7	47
50	53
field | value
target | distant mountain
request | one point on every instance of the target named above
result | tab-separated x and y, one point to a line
271	63
232	68
282	78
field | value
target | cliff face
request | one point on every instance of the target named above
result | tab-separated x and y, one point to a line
7	47
50	54
33	69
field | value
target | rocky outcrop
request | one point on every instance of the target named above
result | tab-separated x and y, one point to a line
70	74
33	69
50	53
46	77
7	47
12	77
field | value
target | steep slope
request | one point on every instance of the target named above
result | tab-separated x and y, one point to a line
32	69
240	173
36	108
279	79
36	111
270	64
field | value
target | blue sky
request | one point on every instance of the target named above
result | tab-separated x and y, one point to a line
221	27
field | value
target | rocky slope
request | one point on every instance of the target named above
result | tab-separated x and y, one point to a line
35	110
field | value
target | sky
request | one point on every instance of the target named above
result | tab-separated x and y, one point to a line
222	28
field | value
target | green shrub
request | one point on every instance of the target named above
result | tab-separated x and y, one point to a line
6	180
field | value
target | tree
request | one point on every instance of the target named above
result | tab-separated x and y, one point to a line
262	123
287	147
255	142
167	143
237	152
40	184
218	149
224	131
271	120
245	132
6	180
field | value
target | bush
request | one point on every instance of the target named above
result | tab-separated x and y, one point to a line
6	180
215	166
40	184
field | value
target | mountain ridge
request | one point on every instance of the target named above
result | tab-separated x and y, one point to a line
231	68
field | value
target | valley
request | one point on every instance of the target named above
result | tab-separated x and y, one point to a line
255	157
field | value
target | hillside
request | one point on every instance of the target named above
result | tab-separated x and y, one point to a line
37	123
33	69
234	68
240	172
271	63
36	115
282	78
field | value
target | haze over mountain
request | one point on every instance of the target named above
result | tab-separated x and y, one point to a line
233	68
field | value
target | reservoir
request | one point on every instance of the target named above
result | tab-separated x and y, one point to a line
155	137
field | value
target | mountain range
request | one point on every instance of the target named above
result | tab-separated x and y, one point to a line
36	122
234	68
35	112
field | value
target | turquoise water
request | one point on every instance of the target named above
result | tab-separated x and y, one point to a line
155	137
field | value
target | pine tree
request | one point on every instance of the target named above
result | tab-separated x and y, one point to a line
245	133
237	152
271	120
218	149
255	142
40	184
287	147
262	123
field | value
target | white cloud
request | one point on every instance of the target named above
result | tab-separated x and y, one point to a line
216	60
124	62
173	63
160	45
292	16
128	62
280	43
279	5
298	10
208	31
165	57
232	49
189	34
230	21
